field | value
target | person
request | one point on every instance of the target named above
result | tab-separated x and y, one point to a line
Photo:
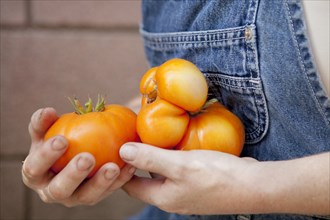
258	62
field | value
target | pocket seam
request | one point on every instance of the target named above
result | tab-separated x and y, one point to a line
194	39
261	129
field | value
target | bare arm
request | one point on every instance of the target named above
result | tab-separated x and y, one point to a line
209	182
296	186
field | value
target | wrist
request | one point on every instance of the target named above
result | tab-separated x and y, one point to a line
299	186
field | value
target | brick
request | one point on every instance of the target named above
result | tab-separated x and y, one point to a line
12	12
12	190
42	68
86	13
117	206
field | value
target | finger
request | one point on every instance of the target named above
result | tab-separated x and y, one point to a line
36	166
41	120
126	174
144	189
108	179
67	181
152	159
92	191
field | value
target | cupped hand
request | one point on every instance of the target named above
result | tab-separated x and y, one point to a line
69	187
194	182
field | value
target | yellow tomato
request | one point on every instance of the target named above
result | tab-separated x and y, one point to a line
181	83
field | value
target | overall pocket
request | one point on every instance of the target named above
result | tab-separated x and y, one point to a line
228	58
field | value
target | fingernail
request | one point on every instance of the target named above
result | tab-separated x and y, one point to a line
84	163
59	143
110	173
128	152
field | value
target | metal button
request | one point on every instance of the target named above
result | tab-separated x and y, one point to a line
248	33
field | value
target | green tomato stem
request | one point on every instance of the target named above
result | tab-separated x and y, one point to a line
80	109
205	106
100	105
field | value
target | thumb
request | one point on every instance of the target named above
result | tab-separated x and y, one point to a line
150	158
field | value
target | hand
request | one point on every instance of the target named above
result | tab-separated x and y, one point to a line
69	187
194	182
211	182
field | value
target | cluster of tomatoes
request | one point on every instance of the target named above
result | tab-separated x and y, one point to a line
175	114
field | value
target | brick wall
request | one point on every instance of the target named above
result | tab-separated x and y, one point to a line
51	49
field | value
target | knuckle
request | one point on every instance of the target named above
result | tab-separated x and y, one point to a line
180	170
45	198
55	192
144	160
29	173
149	163
184	169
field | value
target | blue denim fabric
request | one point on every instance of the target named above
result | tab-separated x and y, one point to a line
257	60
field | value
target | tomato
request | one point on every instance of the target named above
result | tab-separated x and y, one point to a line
175	113
181	83
148	86
100	133
215	128
162	124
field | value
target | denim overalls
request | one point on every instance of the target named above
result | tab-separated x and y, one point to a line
257	60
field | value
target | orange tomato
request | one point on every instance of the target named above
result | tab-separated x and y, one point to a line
176	114
214	128
162	124
148	86
99	133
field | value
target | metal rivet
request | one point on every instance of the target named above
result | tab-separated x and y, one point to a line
248	33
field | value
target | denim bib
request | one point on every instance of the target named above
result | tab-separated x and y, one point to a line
257	61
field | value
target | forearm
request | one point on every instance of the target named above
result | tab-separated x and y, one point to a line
299	186
210	182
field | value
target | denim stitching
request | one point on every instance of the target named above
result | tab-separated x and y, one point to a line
253	6
248	85
231	81
228	83
189	33
263	126
190	44
182	40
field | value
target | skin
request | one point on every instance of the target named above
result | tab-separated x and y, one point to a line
36	174
209	182
188	182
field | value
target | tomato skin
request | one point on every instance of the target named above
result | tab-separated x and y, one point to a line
181	83
175	113
148	86
99	133
161	124
148	83
215	128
